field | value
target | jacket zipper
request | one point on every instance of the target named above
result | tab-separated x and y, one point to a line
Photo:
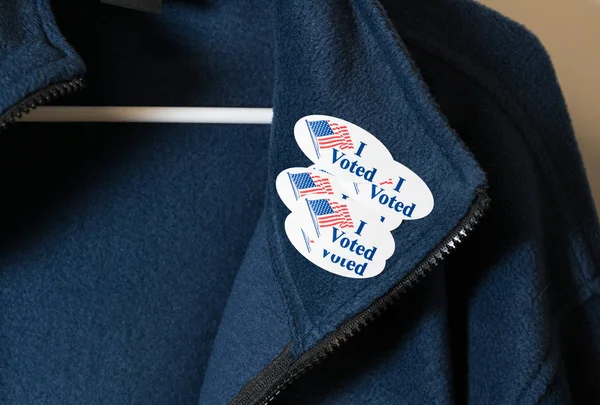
255	394
40	97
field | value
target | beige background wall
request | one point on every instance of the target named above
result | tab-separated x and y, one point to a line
570	31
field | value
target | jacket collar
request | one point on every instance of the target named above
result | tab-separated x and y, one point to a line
33	53
345	59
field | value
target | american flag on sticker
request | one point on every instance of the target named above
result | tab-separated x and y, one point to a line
326	213
306	183
326	134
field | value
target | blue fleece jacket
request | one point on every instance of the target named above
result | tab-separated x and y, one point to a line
147	263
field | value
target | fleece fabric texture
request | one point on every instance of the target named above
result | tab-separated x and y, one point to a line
519	316
147	264
121	243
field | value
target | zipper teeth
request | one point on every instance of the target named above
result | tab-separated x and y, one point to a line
355	325
39	98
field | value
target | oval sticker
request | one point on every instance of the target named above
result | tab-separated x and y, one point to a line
345	205
359	263
343	224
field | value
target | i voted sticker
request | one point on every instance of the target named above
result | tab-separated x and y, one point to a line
345	205
348	227
358	263
402	195
342	148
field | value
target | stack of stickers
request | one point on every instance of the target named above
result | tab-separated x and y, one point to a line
345	206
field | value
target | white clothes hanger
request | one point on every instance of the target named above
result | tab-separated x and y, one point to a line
204	115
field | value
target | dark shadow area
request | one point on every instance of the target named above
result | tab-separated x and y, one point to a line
44	166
